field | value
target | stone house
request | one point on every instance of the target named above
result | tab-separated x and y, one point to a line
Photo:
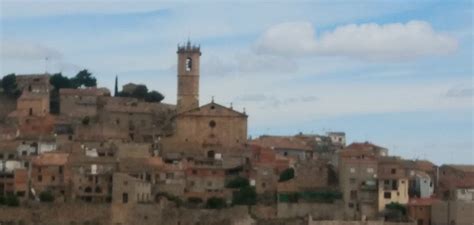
392	182
92	178
337	138
452	213
419	210
35	83
130	190
452	177
292	147
49	172
205	181
358	184
80	103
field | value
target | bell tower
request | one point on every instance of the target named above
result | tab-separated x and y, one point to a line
188	77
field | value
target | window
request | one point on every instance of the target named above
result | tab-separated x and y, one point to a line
60	169
394	171
189	64
40	178
387	195
212	124
209	183
53	178
125	198
353	194
194	172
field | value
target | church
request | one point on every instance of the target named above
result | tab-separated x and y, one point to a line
211	130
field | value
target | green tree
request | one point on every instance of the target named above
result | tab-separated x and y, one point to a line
245	196
84	78
9	86
215	203
287	174
154	96
140	92
46	196
238	182
59	81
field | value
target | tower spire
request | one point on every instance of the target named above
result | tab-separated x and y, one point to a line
116	86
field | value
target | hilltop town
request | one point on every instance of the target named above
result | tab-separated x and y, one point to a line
72	152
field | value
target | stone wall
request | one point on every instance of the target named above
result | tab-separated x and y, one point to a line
316	210
357	223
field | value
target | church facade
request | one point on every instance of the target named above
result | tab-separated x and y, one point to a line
210	130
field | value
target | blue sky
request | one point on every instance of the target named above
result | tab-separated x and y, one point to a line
396	73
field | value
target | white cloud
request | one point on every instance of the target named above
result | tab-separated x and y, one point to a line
13	49
371	41
460	91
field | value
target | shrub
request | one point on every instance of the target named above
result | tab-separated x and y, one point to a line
12	200
238	182
195	200
46	196
245	196
215	203
287	174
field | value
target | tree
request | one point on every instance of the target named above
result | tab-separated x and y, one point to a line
59	81
287	174
215	203
140	92
154	96
9	86
46	196
245	196
84	78
238	182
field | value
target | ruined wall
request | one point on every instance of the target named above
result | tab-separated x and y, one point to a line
56	214
316	210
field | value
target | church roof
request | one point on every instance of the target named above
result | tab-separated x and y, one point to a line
213	109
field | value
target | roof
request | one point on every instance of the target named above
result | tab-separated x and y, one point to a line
365	148
422	201
282	142
84	91
462	168
213	109
51	159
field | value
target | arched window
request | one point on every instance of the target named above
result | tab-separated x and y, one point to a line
189	64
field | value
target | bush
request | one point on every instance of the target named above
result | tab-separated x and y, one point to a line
12	200
171	198
46	196
215	203
238	182
195	200
245	196
287	174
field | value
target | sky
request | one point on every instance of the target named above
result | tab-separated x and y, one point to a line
396	73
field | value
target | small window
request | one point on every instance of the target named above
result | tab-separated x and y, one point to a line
125	198
189	64
212	124
387	195
40	178
394	171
